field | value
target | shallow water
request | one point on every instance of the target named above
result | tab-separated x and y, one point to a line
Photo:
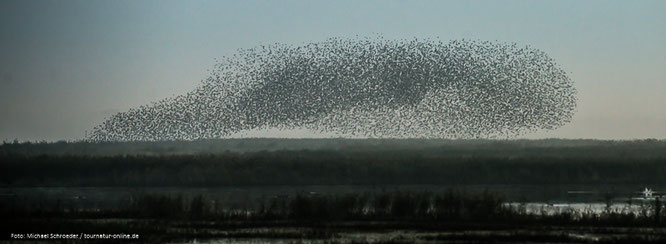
550	235
542	208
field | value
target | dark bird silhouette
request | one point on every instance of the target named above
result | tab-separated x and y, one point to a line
364	86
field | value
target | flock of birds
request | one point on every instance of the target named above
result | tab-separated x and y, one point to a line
363	87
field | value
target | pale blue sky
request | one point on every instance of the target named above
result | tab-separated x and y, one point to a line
66	65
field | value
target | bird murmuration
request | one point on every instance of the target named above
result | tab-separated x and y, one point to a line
368	87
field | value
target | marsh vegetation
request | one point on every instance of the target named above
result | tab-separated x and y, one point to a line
337	190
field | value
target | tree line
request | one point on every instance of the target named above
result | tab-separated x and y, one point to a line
326	167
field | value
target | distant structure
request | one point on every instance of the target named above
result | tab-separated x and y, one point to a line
370	87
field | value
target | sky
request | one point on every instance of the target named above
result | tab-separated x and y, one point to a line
66	65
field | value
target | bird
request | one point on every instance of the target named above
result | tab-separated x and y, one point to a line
373	87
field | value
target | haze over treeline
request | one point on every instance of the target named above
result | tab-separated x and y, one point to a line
270	162
543	147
